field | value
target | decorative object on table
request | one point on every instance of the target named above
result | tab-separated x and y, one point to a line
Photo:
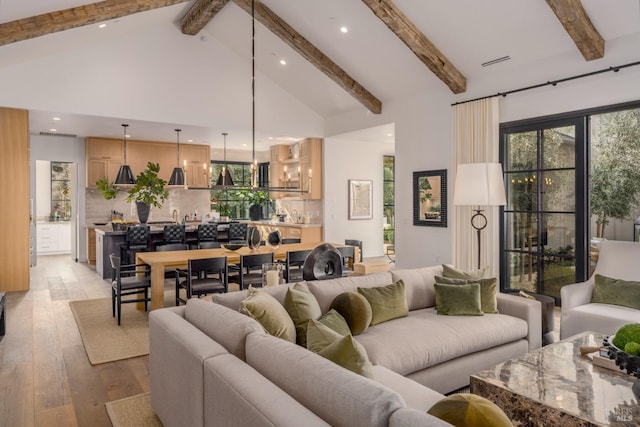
253	238
274	239
479	184
430	198
177	176
624	357
324	262
360	199
125	176
272	274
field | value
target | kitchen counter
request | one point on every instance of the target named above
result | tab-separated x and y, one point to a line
283	224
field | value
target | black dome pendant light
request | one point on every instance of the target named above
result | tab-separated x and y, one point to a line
177	176
125	176
224	178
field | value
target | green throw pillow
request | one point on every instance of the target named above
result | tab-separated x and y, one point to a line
387	302
269	313
336	322
342	350
466	410
488	290
355	309
607	290
450	271
301	306
458	300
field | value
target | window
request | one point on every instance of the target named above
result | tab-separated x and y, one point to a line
229	201
60	191
388	165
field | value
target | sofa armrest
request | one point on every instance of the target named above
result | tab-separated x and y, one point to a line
526	309
576	295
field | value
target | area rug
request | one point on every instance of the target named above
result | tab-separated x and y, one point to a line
105	341
134	411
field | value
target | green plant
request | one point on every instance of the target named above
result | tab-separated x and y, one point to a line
108	190
148	189
627	334
254	197
224	209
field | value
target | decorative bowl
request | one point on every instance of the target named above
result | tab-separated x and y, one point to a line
233	245
624	361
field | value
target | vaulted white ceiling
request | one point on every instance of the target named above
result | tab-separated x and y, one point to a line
206	79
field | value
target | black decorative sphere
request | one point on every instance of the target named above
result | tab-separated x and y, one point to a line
324	262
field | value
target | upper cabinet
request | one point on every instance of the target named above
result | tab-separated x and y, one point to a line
104	157
297	166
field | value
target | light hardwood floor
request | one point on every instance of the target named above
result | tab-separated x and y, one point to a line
45	376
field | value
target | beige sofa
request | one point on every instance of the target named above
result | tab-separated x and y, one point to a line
211	365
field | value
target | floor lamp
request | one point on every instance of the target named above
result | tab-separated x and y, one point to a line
479	184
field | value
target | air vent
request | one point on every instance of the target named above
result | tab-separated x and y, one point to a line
64	135
495	61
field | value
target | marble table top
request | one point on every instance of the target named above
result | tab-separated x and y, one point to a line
557	386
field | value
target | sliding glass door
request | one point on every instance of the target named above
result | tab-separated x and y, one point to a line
543	226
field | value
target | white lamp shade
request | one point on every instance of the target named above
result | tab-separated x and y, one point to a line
479	184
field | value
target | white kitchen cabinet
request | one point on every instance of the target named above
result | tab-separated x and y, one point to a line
53	238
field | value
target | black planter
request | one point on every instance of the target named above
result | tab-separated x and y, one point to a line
255	212
143	212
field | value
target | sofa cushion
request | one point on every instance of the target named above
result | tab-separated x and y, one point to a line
452	272
208	317
464	410
335	321
415	395
355	309
233	299
418	285
340	349
269	313
337	395
301	306
423	338
326	290
387	302
458	300
603	318
488	291
607	290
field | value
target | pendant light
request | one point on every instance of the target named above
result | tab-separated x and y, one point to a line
177	176
224	178
125	176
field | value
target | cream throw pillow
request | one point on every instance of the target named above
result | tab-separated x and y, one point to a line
269	313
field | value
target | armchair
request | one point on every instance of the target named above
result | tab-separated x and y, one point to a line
617	259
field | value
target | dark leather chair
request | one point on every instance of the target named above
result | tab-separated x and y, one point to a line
173	234
250	270
209	245
293	265
348	258
137	239
126	280
170	273
202	277
290	240
237	231
354	242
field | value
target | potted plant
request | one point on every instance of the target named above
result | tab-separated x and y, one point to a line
257	199
146	192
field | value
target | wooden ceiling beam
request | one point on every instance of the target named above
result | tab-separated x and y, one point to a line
295	40
419	44
578	25
200	14
48	23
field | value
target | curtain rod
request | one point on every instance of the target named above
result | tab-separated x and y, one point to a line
553	82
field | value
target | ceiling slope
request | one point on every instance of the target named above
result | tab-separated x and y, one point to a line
578	25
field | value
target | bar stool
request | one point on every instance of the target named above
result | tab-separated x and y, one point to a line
206	233
137	239
237	231
173	234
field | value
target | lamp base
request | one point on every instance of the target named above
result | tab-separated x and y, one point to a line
479	223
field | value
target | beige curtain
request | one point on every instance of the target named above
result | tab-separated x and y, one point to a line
475	136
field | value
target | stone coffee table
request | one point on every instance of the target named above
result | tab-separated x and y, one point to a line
556	386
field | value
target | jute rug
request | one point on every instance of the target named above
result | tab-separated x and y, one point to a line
105	341
134	411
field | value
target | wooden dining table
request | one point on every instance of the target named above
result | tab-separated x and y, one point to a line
160	261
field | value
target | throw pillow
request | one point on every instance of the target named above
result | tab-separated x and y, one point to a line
336	322
301	306
269	313
342	350
488	290
463	410
458	300
607	290
355	309
387	302
450	271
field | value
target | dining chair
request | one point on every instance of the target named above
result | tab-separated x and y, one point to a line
131	279
348	258
209	245
290	240
250	270
170	273
202	277
356	243
293	265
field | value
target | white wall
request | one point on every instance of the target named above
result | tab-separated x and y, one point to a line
349	159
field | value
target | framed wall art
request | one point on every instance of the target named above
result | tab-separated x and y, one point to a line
360	199
430	198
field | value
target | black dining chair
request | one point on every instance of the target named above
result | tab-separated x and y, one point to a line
250	270
293	265
290	240
170	273
202	277
356	243
128	280
348	258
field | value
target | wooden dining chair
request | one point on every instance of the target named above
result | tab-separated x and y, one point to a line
128	280
202	277
250	270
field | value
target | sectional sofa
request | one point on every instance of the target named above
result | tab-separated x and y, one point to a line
211	365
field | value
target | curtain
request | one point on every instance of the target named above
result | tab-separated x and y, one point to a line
475	136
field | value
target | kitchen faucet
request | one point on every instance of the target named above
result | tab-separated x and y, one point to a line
174	215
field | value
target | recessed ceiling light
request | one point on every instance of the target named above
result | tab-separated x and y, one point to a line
344	29
389	134
127	136
270	137
189	140
244	145
283	62
53	130
57	119
102	25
